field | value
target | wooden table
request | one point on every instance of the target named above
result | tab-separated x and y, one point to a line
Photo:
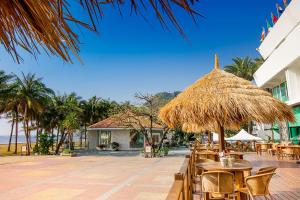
238	168
206	154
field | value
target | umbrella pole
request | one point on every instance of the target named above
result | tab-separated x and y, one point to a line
221	139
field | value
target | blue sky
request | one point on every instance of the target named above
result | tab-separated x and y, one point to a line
129	55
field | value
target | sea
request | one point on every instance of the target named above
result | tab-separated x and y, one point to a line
4	139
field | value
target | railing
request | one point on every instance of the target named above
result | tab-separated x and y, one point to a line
183	184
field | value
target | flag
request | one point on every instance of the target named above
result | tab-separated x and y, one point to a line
279	9
285	3
268	25
263	34
274	18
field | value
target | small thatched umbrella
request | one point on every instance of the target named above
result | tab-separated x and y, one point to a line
221	100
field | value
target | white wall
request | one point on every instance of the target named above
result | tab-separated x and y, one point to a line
122	137
281	58
293	83
92	139
284	26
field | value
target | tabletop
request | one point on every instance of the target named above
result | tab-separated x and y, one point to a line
238	165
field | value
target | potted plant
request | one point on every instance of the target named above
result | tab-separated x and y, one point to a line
115	146
166	151
101	147
68	152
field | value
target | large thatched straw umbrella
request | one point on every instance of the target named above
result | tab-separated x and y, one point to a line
221	100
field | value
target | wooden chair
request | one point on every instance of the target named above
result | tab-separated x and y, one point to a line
219	184
257	185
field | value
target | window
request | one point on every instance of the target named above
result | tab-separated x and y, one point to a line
280	92
104	137
283	92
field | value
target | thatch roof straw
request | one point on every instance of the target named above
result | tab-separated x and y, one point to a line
35	25
223	100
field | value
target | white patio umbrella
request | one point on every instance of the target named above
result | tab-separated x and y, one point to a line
243	136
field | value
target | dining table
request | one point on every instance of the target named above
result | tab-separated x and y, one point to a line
239	168
237	155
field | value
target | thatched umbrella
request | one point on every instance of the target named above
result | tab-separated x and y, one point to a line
221	100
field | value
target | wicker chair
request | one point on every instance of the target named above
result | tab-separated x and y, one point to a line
257	185
197	174
266	170
288	152
219	184
273	149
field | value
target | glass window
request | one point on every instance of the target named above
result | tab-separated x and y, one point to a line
283	92
104	138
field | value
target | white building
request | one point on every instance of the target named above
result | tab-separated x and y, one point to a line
280	73
110	130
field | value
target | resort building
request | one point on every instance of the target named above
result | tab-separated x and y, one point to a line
110	130
280	73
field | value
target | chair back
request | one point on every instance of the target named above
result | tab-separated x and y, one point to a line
265	170
210	156
264	147
288	150
259	184
218	182
274	146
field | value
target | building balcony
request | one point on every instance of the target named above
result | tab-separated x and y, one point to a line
285	25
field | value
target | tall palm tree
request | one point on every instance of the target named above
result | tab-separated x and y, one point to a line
5	92
31	95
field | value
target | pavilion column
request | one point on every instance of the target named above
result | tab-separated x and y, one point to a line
221	138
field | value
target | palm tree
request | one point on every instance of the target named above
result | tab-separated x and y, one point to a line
31	95
244	68
66	105
5	92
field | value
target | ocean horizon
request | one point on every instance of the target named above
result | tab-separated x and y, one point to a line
4	139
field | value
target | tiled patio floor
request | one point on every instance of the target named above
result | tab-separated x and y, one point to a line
285	185
122	177
100	177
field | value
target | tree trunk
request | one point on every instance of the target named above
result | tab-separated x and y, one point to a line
62	139
221	138
11	132
57	136
26	130
37	134
16	133
52	136
250	128
84	135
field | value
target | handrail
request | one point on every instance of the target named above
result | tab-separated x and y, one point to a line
182	186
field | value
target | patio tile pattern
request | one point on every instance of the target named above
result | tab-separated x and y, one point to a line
97	177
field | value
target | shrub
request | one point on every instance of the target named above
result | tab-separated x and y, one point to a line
45	141
115	146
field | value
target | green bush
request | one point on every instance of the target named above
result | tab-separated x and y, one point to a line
45	141
67	151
